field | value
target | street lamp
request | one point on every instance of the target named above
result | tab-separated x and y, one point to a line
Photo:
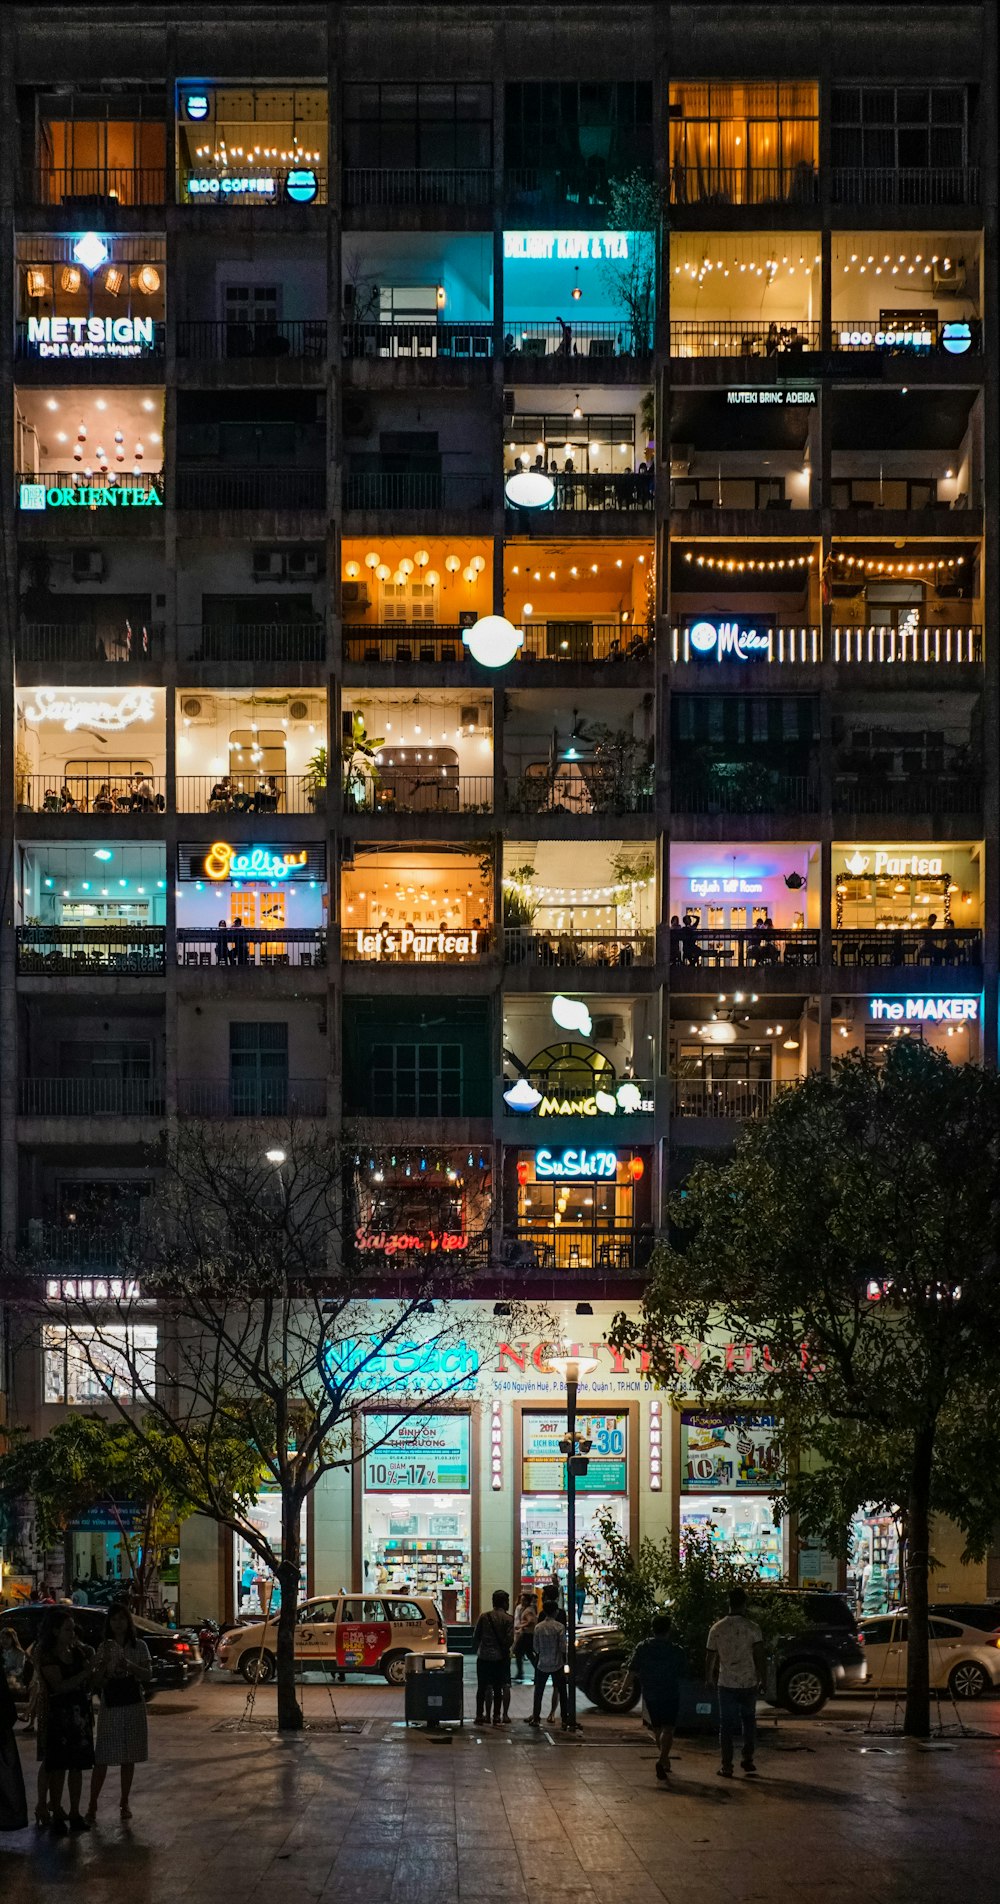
572	1365
275	1157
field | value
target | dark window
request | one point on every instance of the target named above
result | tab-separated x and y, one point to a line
899	128
943	1630
433	125
575	127
258	1070
417	1080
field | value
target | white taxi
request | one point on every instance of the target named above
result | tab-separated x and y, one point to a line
346	1632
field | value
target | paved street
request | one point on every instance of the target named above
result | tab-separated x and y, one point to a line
385	1816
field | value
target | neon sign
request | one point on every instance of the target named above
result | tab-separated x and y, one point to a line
576	1163
896	865
90	250
729	640
956	338
572	247
79	496
762	398
715	884
91	336
933	1011
255	862
111	716
904	339
408	943
232	187
625	1098
427	1244
365	1364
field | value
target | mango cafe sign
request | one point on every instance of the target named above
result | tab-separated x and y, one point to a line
91	337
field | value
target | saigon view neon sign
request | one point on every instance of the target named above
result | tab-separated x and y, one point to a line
223	861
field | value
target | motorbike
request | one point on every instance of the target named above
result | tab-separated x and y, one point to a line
208	1640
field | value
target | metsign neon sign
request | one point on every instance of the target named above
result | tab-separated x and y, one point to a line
223	861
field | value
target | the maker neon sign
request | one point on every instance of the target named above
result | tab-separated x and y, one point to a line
255	862
933	1011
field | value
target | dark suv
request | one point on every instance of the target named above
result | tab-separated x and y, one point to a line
175	1657
804	1669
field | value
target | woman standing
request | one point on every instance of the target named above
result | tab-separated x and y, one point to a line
123	1667
13	1808
66	1741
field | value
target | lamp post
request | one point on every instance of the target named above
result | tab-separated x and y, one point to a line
572	1365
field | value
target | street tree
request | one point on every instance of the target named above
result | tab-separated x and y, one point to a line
635	207
841	1271
121	1468
277	1330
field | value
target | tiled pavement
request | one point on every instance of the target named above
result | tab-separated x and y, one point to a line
517	1818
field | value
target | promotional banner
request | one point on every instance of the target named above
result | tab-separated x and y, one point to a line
728	1452
417	1452
543	1468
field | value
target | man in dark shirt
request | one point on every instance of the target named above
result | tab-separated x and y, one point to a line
660	1665
493	1638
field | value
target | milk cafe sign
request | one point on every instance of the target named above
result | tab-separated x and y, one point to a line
406	942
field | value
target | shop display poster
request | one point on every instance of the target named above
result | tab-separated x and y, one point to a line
415	1452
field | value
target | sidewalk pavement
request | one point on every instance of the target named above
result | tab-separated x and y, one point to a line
515	1817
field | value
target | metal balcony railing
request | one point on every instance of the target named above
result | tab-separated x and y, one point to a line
91	1097
99	798
120	490
724	337
409	945
208	340
87	187
60	643
948	337
621	1098
946	646
745	791
588	641
423	641
417	489
913	795
80	1246
526	945
734	492
629	489
252	488
798	647
417	185
592	339
725	1098
891	945
613	1250
263	949
905	185
744	184
429	789
244	793
115	951
85	368
298	642
753	951
251	1097
578	789
403	337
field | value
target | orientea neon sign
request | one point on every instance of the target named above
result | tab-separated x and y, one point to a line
257	862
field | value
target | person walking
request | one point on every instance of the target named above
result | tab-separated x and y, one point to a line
66	1737
550	1663
553	1611
122	1668
525	1621
582	1590
492	1639
735	1663
659	1665
14	1660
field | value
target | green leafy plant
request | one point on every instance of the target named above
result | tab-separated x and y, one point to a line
519	908
359	753
315	776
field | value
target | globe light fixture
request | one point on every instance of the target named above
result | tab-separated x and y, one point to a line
493	641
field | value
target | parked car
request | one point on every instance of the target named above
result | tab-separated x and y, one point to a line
964	1660
983	1614
349	1633
804	1669
175	1655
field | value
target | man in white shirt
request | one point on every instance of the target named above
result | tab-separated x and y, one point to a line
735	1663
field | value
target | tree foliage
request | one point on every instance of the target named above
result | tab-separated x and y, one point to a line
841	1270
635	206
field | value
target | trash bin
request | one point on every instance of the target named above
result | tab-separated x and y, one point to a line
433	1688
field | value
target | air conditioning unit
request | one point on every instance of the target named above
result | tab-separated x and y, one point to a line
298	710
197	707
88	565
950	282
354	594
610	1029
303	564
268	565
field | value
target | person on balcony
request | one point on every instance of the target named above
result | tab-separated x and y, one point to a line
103	802
221	797
266	797
930	950
67	803
223	949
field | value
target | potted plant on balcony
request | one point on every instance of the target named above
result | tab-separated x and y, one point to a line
360	755
519	909
315	777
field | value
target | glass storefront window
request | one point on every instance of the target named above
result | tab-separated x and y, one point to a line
874	1564
743	144
740	1526
256	1589
87	1365
584	1221
544	1548
728	1465
417	1508
604	1487
251	145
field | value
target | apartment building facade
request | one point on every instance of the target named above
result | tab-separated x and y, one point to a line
325	350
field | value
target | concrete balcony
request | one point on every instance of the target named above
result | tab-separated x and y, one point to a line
416	354
428	197
256	950
296	644
91	952
252	1097
127	655
91	1097
528	950
283	351
538	351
